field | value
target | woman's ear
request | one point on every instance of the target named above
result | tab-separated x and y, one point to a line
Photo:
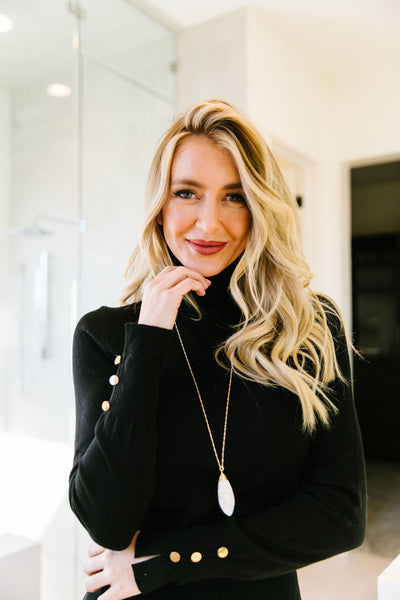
159	219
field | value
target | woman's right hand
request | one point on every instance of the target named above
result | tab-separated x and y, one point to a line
163	295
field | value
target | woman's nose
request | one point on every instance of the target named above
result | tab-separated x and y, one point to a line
209	217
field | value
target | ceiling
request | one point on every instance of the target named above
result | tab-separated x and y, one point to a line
337	34
341	34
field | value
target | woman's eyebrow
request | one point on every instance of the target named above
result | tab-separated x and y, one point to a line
229	186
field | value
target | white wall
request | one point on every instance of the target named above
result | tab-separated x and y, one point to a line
364	129
284	92
366	111
212	62
314	120
285	98
240	58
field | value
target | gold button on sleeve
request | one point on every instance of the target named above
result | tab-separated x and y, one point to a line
175	557
222	552
196	557
105	405
117	360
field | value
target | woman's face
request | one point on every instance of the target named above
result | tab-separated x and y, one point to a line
205	219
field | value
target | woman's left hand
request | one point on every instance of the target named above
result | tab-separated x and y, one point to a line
113	568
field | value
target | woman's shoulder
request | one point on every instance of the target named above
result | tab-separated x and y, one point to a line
106	325
113	315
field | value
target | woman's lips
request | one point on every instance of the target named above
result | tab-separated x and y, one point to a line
206	247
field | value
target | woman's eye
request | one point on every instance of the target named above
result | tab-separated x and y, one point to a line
236	198
184	194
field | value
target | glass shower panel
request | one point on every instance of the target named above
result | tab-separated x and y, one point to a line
40	232
127	42
42	215
122	124
105	128
127	103
128	98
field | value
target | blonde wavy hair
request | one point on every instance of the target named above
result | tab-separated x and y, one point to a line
283	338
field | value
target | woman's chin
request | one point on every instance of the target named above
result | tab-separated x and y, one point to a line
207	267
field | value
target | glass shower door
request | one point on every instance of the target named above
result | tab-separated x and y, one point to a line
126	64
72	177
39	261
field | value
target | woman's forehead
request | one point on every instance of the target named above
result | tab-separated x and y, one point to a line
202	157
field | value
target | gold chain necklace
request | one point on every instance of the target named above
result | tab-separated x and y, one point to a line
226	497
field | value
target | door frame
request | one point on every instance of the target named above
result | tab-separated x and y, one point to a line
307	171
347	224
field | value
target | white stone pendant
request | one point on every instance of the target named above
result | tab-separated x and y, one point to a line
226	497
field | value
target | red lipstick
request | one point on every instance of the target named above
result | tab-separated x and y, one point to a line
206	247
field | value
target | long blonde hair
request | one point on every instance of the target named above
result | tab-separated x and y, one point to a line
283	338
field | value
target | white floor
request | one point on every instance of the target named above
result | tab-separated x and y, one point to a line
349	576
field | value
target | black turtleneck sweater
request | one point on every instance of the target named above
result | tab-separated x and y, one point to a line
147	463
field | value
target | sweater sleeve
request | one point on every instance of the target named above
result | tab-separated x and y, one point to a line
111	484
324	517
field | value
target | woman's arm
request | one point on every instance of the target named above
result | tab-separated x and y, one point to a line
115	450
324	517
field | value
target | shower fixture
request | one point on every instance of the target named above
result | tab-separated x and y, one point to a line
30	230
35	230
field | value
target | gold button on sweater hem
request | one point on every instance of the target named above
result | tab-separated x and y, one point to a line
222	552
196	557
174	557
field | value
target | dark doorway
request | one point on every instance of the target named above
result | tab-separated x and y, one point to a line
375	195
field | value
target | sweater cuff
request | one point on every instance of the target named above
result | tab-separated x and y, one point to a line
188	554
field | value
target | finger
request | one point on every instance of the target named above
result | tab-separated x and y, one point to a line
96	582
166	269
95	549
162	298
176	274
176	289
189	285
94	564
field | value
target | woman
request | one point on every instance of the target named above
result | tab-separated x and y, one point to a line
217	446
